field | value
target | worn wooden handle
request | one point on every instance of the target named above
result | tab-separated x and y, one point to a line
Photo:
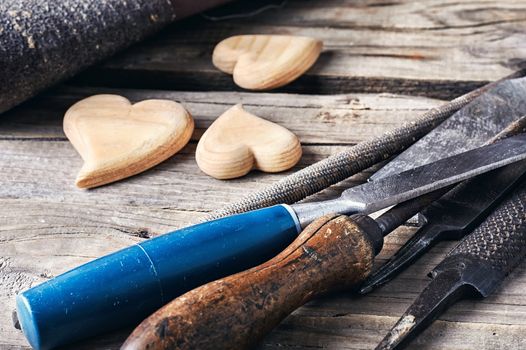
333	252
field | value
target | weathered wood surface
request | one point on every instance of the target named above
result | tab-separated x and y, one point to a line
437	47
434	49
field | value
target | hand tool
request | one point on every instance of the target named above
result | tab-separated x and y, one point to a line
468	128
126	286
334	252
197	333
455	215
46	41
476	267
351	161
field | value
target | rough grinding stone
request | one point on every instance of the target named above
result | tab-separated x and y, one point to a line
45	41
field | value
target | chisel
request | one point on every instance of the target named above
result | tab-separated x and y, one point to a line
126	286
476	267
334	252
454	215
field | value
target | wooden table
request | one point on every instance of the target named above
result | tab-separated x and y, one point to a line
384	63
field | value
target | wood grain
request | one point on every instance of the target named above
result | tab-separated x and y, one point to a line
117	139
238	141
265	62
435	48
315	119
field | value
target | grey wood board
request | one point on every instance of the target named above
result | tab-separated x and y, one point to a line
433	48
48	226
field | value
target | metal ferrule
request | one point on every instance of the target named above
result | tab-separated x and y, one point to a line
308	212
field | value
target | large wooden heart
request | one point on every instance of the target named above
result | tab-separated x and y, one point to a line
238	141
117	139
263	62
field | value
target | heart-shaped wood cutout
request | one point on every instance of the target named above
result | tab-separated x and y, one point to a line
263	62
117	139
238	141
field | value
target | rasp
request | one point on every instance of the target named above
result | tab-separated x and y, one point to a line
126	286
334	252
454	215
476	266
43	42
468	128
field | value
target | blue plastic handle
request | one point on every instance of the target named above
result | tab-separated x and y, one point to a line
124	287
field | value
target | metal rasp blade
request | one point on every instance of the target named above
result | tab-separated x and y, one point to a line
450	218
451	215
467	129
398	188
476	266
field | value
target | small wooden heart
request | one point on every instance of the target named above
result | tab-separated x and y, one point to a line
117	139
263	62
239	141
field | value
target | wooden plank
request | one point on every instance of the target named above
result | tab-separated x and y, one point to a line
437	48
323	124
38	165
434	48
29	255
316	119
48	226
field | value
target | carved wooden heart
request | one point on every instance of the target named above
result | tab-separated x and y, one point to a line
117	139
263	62
239	141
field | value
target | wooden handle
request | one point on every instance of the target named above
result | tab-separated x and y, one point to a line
334	252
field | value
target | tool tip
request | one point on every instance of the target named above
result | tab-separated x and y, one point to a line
412	250
365	289
380	277
398	333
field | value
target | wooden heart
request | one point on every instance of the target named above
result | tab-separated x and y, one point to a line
117	139
263	62
238	141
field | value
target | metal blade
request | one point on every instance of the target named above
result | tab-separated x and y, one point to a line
376	195
400	213
401	187
467	129
451	217
476	266
445	289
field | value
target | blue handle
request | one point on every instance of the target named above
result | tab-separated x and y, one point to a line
124	287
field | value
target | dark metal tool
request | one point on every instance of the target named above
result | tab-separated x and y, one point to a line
455	214
475	267
468	128
355	159
334	252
